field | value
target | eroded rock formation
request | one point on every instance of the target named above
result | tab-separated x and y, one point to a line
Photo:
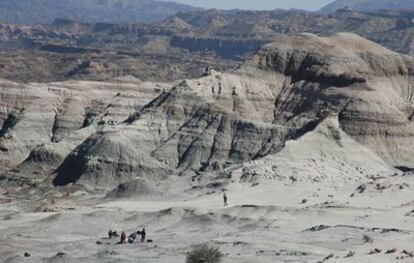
220	121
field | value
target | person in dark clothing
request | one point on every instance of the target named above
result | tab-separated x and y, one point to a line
123	238
143	234
225	199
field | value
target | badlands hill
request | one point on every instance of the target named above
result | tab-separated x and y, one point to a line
304	138
102	134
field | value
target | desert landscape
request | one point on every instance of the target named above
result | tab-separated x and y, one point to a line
310	137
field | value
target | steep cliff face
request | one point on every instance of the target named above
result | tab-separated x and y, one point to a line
224	47
221	121
369	86
324	153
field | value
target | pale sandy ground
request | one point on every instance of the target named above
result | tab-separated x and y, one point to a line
349	193
251	229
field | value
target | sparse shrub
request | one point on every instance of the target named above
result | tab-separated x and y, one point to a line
204	254
367	239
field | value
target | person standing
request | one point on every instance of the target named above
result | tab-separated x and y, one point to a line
123	238
143	234
225	199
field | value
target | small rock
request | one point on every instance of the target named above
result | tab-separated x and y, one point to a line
361	188
328	257
375	251
408	253
350	254
293	178
60	254
236	243
317	228
391	251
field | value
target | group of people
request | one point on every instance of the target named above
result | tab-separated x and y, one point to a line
132	237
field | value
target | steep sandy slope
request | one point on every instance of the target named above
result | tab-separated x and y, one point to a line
219	119
326	153
44	122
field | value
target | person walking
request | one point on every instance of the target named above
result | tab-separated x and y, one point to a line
225	199
143	234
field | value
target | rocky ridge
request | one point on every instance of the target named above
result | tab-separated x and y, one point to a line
167	50
368	5
45	11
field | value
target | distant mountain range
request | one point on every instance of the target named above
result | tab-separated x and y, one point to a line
181	46
113	11
133	11
368	5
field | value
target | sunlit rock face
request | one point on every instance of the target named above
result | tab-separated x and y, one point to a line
107	134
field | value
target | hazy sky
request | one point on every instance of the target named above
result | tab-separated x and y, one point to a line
257	4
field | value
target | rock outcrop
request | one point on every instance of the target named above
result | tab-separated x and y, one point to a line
41	124
368	85
325	153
